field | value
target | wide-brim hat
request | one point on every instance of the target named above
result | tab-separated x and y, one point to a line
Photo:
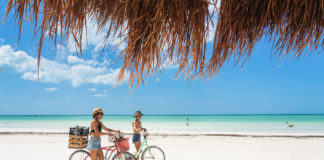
97	110
138	113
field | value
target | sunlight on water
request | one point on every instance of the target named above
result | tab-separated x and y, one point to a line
199	123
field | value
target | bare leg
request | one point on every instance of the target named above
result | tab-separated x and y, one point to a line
138	146
93	154
100	154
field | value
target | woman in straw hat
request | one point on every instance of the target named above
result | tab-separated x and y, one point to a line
96	126
137	128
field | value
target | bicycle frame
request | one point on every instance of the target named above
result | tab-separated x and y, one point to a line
142	148
107	149
112	148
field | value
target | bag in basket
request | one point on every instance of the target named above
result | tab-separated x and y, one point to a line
123	145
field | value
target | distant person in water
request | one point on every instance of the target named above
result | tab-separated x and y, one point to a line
187	121
96	126
137	128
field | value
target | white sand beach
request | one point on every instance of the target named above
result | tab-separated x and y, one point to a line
54	147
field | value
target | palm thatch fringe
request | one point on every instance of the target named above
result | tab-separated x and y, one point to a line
159	30
293	24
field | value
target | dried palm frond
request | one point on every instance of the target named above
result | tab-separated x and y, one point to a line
160	30
294	25
153	27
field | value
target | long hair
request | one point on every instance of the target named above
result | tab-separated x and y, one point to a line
94	116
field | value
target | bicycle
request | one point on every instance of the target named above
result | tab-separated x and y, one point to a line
149	152
85	155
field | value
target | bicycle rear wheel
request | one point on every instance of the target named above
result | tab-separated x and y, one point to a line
80	155
123	156
153	152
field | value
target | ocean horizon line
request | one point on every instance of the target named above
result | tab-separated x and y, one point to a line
288	114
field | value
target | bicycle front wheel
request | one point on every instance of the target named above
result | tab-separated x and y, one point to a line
123	156
153	152
80	155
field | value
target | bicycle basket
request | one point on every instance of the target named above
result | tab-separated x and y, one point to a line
123	145
79	131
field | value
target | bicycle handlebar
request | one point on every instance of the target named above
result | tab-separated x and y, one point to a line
116	136
145	134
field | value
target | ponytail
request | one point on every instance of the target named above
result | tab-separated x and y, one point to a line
95	116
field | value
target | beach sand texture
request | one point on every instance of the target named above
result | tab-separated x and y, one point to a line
54	147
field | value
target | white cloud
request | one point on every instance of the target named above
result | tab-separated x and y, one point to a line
61	52
91	38
170	64
211	32
52	89
100	95
79	72
1	40
92	89
74	59
212	26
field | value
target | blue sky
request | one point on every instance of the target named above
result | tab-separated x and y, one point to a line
75	84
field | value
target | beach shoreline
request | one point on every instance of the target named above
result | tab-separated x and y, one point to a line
6	131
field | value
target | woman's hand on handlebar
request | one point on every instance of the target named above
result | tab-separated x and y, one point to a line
110	134
113	130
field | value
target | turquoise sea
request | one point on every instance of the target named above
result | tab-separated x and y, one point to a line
175	123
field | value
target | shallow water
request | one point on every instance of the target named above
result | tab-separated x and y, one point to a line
177	123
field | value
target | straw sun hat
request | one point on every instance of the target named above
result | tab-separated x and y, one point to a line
97	110
138	113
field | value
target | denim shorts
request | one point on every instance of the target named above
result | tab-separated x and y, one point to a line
94	143
136	137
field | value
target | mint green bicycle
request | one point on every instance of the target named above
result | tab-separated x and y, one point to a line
150	152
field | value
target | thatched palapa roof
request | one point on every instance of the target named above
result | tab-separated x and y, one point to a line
156	30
